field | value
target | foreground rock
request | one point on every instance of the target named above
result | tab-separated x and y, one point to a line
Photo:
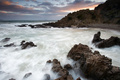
22	25
62	72
101	43
94	65
25	45
27	75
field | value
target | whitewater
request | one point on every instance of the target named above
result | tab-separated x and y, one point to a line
52	43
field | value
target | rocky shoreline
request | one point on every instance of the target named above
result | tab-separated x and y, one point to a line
93	65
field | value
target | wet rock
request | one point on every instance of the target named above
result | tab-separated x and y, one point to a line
112	41
12	79
38	26
101	43
65	77
22	42
93	65
22	25
68	66
78	78
27	75
10	45
25	45
5	40
49	61
97	38
46	77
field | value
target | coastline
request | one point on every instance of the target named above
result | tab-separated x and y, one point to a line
105	26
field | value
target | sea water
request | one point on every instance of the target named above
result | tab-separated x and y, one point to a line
52	43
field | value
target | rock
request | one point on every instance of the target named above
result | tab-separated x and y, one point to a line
101	43
68	66
66	77
32	26
5	40
112	41
58	68
25	45
97	38
9	45
27	75
22	42
46	77
78	78
49	61
12	79
93	65
22	25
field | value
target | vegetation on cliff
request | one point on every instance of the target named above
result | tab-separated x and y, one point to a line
108	12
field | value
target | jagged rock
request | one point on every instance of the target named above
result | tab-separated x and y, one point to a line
9	45
5	40
101	43
92	64
46	77
27	75
78	78
58	68
68	66
65	77
25	45
112	41
12	79
97	38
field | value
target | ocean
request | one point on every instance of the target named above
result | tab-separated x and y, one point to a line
52	43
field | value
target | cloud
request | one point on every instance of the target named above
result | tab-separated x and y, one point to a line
9	6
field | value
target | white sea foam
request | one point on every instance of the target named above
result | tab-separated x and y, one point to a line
51	43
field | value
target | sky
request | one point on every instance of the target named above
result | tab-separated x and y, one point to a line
42	9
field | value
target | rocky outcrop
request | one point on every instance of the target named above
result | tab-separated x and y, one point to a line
25	45
62	72
102	43
12	79
105	13
94	65
5	40
22	25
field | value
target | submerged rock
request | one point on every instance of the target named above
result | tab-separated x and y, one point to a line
25	45
9	45
5	40
93	65
101	43
27	75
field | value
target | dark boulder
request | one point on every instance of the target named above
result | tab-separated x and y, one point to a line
93	65
68	66
10	45
27	75
112	41
5	40
104	43
97	38
25	45
49	61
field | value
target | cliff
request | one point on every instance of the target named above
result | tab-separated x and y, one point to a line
108	12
